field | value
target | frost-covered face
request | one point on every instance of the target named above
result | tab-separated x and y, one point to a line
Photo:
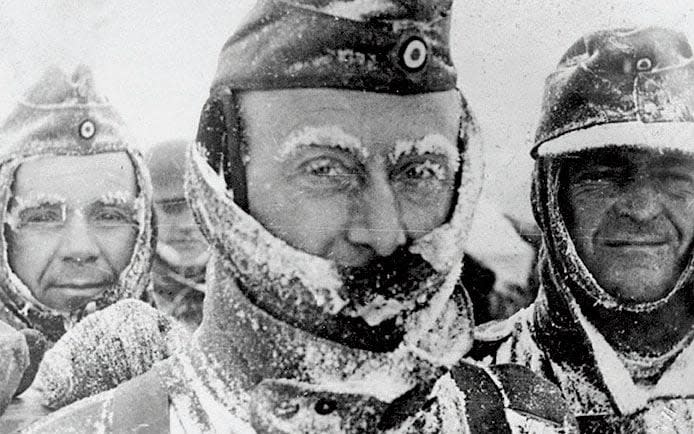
350	176
71	226
629	213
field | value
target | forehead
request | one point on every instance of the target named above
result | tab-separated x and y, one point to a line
374	118
76	178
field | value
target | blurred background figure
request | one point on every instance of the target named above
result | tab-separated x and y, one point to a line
182	252
498	267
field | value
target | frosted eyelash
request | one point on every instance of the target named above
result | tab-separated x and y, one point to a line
430	144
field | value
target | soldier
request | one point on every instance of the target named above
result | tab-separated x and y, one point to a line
182	252
336	178
613	191
77	237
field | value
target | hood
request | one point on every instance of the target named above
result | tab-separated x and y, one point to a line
64	116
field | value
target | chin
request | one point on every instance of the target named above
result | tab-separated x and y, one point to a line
636	285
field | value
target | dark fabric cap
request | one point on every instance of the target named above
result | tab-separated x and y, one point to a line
166	162
643	76
392	46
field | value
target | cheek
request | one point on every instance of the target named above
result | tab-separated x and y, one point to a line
30	256
117	247
167	225
583	213
426	214
683	218
304	221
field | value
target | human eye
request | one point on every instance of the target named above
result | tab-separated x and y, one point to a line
327	172
112	216
325	167
677	182
41	216
423	172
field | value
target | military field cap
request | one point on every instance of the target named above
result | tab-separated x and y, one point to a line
166	162
63	114
620	87
391	46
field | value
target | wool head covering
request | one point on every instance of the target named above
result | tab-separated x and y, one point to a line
64	115
295	304
613	89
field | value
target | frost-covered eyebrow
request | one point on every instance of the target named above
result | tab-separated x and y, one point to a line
330	136
35	199
116	198
429	144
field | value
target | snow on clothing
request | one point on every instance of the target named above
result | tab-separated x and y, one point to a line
260	360
179	291
52	120
65	116
608	390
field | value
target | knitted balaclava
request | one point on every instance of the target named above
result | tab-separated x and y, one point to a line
300	301
624	88
64	115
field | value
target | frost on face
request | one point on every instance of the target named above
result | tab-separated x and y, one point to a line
435	144
255	251
35	201
330	136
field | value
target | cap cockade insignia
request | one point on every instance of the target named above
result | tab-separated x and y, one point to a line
87	129
413	54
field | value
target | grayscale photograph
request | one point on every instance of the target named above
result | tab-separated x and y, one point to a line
347	216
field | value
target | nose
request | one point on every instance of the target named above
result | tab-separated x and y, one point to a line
78	245
640	200
376	219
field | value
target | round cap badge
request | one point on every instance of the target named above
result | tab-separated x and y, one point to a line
644	64
87	129
413	54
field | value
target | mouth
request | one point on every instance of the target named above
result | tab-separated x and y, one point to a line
188	242
81	289
618	242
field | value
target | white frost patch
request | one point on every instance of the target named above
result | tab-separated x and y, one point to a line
34	200
331	136
452	405
429	144
357	10
654	135
379	310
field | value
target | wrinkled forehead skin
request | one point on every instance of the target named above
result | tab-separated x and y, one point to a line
133	280
559	248
243	241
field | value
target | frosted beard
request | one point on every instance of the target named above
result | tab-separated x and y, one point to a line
403	302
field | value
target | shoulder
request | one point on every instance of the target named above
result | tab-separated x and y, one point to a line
508	341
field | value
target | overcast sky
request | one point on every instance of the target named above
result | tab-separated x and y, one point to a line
155	60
